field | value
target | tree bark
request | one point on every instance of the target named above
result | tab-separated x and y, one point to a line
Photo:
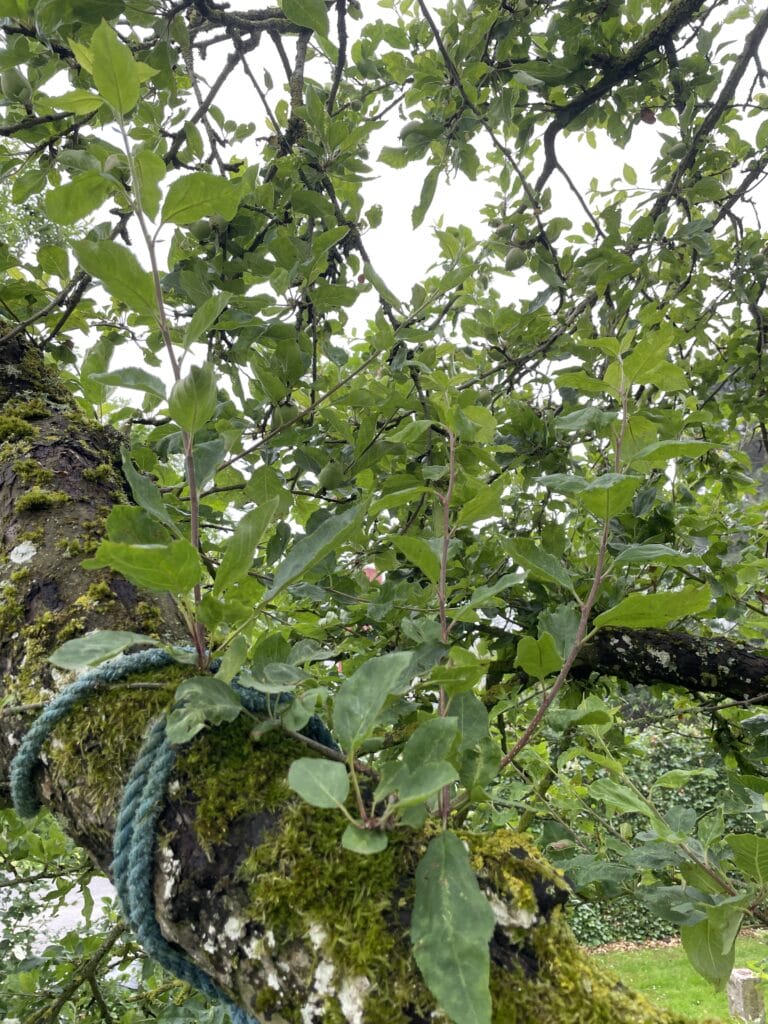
252	883
736	671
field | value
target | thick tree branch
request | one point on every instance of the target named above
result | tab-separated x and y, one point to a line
665	30
698	664
717	110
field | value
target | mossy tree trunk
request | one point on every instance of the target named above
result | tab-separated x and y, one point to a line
251	883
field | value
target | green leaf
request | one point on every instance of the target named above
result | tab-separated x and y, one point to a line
669	377
307	13
275	678
706	945
472	717
82	54
710	828
69	203
362	697
609	494
606	496
320	783
312	548
416	785
485	504
473	423
205	316
133	525
451	928
591	711
146	493
620	798
193	398
427	195
479	767
381	287
78	101
173	567
325	240
93	648
149	170
120	273
587	419
54	260
483	594
397	498
646	357
285	675
660	554
423	769
198	195
419	553
409	432
562	623
582	382
651	610
538	563
658	454
240	548
538	658
115	72
132	377
630	175
207	457
678	777
750	855
458	677
233	659
433	740
364	841
201	701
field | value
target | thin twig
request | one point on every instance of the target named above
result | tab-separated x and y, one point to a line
341	57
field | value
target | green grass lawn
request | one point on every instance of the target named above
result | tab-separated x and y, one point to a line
665	976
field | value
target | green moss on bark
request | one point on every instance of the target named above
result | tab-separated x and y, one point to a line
30	472
36	499
346	917
95	746
14	428
568	987
211	769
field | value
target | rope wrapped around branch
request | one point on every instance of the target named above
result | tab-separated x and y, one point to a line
141	806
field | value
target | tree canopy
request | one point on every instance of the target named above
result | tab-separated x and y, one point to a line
471	523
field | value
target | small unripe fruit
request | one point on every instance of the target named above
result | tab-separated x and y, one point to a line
281	414
200	229
515	258
331	476
116	165
15	87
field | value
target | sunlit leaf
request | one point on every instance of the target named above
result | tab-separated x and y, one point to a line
114	70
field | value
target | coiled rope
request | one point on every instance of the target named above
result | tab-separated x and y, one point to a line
141	806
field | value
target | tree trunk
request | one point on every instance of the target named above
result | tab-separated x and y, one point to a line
252	883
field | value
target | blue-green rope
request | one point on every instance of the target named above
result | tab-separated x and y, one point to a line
133	864
140	809
23	789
